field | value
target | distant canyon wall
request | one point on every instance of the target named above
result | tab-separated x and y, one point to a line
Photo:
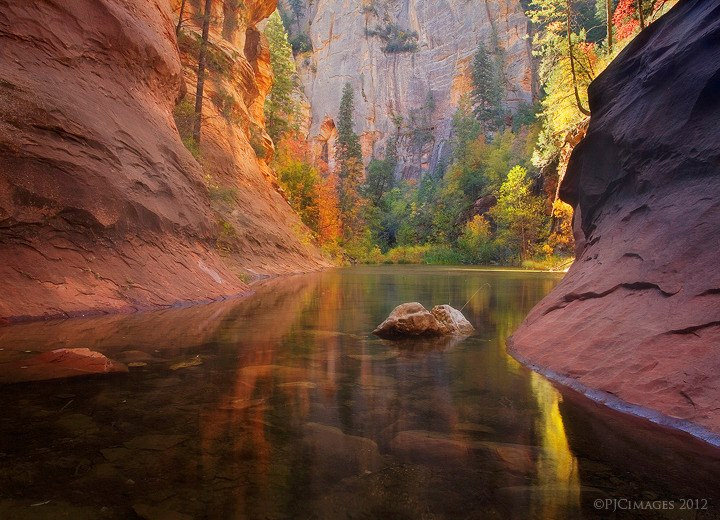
102	207
393	85
638	315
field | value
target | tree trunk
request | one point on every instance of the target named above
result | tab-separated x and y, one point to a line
572	61
608	14
180	18
641	15
202	56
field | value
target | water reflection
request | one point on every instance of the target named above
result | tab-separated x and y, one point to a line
283	406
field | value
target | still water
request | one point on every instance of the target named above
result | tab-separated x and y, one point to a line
283	405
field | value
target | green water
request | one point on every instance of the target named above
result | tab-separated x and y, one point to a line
283	405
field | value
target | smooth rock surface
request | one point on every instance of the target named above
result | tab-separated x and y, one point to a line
414	320
102	208
638	314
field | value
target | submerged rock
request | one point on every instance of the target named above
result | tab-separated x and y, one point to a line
58	364
338	453
412	319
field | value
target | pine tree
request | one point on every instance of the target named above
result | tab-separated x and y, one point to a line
487	90
348	143
350	165
281	105
202	58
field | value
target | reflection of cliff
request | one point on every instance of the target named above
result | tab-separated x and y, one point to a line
409	61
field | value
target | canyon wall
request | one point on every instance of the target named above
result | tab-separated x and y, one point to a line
420	85
102	207
637	317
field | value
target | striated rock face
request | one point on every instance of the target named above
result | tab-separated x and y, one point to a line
102	208
638	314
390	86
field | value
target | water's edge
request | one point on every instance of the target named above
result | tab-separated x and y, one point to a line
615	403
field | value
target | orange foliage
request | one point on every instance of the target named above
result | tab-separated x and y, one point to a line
329	225
625	19
323	201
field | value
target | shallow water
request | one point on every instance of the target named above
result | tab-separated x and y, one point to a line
283	405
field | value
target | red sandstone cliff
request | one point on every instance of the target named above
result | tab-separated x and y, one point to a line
102	208
638	314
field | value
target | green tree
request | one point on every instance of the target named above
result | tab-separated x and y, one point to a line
301	182
380	176
350	167
487	90
281	105
465	127
348	143
519	213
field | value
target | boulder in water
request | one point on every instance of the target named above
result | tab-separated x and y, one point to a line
414	320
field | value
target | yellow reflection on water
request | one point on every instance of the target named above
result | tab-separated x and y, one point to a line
558	487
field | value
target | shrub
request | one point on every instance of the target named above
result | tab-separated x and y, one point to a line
301	43
443	255
226	236
548	263
396	39
225	103
257	142
406	255
216	59
475	244
184	115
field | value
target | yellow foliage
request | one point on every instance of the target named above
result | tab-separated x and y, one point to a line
561	240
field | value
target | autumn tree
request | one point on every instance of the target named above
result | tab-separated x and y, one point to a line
329	223
571	55
568	64
625	18
281	105
202	58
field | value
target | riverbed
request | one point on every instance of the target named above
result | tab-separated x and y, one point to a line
283	405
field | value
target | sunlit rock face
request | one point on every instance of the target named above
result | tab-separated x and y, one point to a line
393	85
638	314
102	208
